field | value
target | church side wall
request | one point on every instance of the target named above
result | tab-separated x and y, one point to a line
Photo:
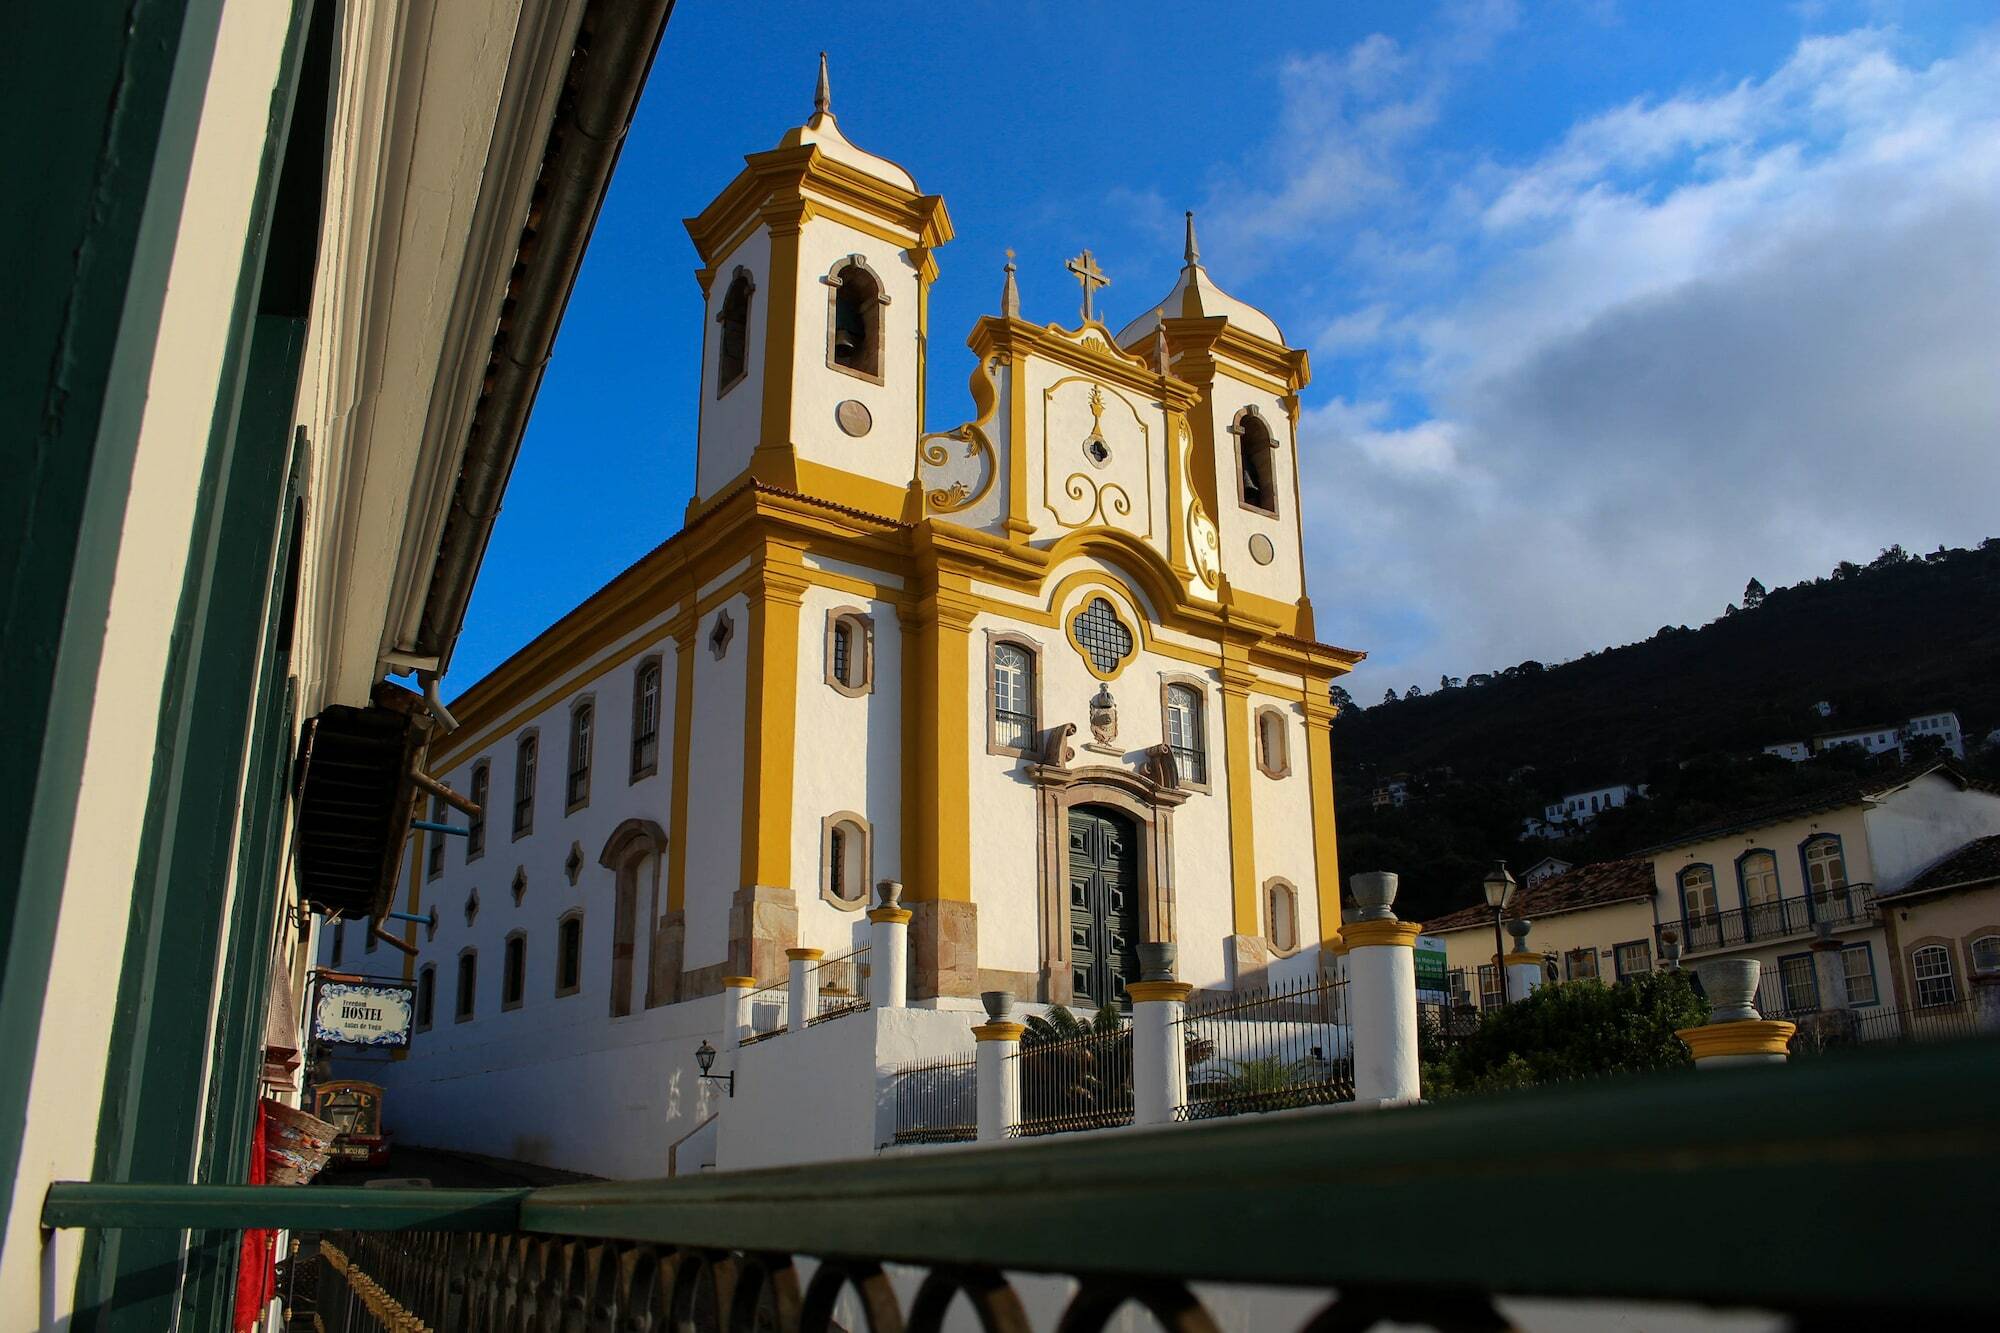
730	425
714	835
1284	837
848	760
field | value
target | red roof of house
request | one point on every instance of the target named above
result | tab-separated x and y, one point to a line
1593	885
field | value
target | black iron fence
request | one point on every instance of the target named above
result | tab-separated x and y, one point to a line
1074	1082
937	1101
842	984
1268	1050
1762	923
1829	1029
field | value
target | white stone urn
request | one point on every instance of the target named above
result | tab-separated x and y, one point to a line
888	893
1731	987
1375	895
998	1003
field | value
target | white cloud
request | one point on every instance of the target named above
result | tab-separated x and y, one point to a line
1704	335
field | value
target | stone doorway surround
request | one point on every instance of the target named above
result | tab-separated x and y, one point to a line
1148	795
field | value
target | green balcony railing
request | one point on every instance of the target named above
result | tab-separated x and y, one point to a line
1631	1188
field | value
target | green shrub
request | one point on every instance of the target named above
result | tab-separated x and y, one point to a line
1569	1030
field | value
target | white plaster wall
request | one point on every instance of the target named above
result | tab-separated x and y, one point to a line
66	1087
730	425
991	510
715	788
1283	578
1282	827
1005	847
1058	421
828	1092
849	757
1923	823
888	451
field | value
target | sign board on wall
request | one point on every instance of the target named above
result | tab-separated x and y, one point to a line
1431	971
363	1013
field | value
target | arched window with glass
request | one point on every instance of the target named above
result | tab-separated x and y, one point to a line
1186	733
1699	907
646	719
1931	970
581	727
1014	721
1827	894
1757	877
475	824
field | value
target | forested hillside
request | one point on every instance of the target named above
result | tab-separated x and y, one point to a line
1685	710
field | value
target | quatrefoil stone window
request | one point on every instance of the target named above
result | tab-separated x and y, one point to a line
1101	636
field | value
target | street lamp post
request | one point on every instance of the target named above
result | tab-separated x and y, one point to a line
704	1055
1499	886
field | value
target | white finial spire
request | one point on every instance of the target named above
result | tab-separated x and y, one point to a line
1193	252
1010	295
823	95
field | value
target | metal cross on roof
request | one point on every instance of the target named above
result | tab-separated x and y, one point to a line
1084	266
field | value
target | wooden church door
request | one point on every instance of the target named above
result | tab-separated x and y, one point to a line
1103	904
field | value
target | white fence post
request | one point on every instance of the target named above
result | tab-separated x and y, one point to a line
1159	1068
803	993
999	1074
735	1012
1524	967
1382	994
889	949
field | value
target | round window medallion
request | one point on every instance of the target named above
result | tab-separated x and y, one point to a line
1261	549
1097	451
853	417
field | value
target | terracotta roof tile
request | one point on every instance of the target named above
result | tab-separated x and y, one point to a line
1593	885
1977	862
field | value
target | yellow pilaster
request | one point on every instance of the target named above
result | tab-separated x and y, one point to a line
770	722
1320	713
1236	681
937	827
682	627
774	460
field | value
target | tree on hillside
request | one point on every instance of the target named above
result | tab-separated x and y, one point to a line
1341	699
1389	695
1414	692
1753	595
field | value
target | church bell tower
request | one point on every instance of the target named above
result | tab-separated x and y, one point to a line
816	269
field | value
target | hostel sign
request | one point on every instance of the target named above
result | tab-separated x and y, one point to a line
363	1014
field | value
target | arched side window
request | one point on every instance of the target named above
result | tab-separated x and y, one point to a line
1274	743
1281	915
855	303
468	985
1256	463
582	720
732	359
514	970
850	651
427	978
1985	953
569	953
646	719
1182	707
846	859
1013	695
1702	923
1826	878
526	751
475	825
1935	978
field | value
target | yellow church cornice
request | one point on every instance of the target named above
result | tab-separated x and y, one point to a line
939	562
1207	345
1090	349
807	177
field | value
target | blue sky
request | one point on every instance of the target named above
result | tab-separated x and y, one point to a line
1611	306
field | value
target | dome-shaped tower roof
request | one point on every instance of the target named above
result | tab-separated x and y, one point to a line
823	133
1195	295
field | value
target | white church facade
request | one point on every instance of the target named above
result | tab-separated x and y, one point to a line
1053	671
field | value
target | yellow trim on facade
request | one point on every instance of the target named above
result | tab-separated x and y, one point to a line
682	630
937	792
1144	991
1246	918
774	460
894	916
770	722
1319	777
850	488
1758	1036
1001	1031
1370	934
805	955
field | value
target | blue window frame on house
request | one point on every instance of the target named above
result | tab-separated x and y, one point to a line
1762	897
1824	861
1703	924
